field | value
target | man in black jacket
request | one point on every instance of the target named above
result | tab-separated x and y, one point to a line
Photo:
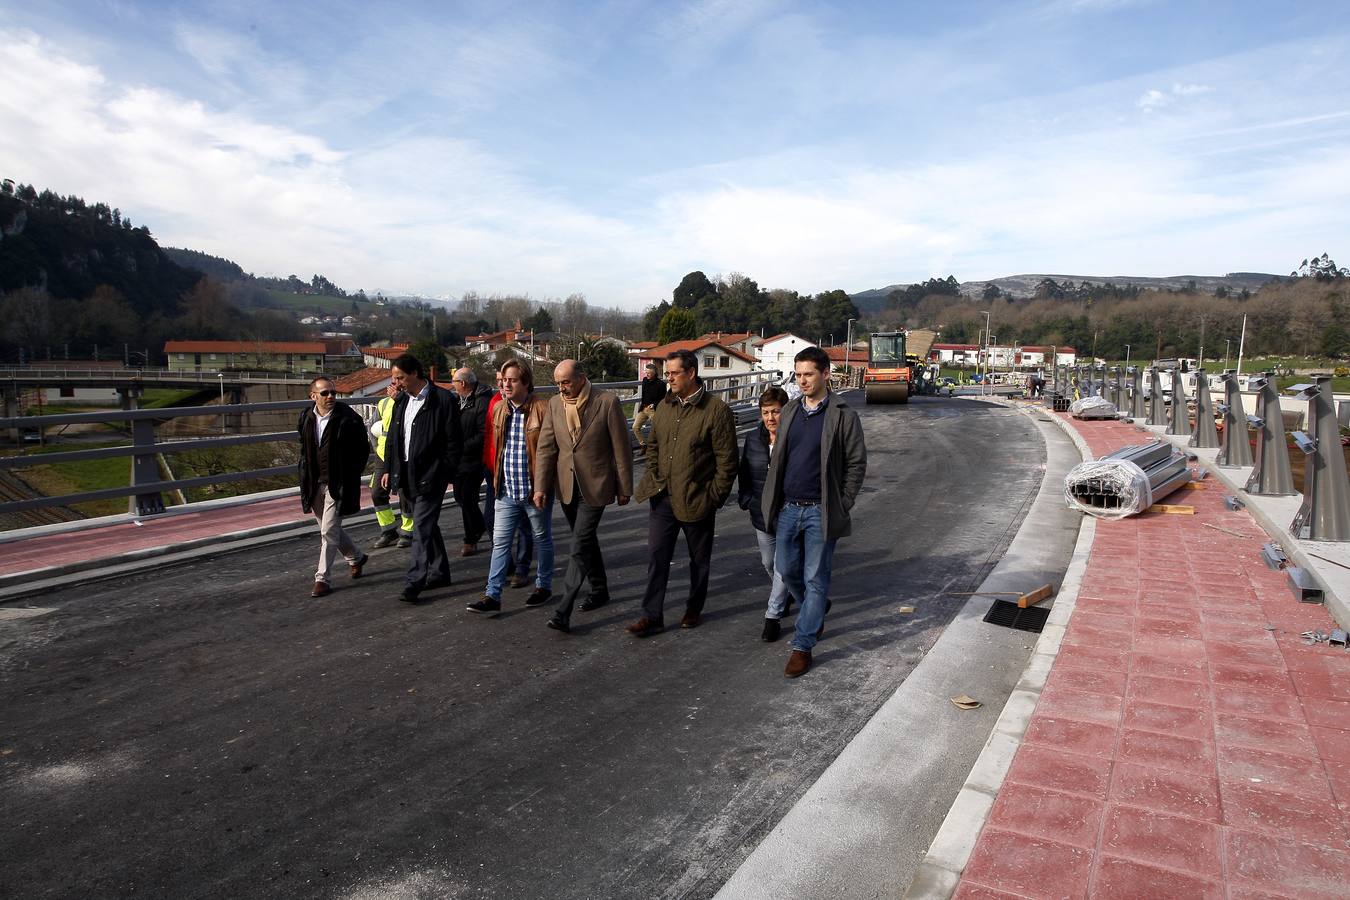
333	453
653	392
473	405
421	457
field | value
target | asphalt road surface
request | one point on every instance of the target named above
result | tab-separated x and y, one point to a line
209	730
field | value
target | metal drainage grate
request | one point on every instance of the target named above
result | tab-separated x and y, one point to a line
1009	615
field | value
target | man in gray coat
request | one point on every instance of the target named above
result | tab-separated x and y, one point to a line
816	470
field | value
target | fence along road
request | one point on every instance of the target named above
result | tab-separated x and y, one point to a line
210	730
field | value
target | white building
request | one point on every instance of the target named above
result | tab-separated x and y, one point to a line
777	352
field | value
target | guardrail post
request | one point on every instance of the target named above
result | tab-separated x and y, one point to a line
1137	408
1236	451
1157	404
1181	416
144	466
1325	513
11	409
1206	436
1272	476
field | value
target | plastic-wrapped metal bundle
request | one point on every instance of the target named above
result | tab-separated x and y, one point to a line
1092	408
1126	482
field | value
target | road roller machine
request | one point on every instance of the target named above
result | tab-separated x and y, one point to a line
890	376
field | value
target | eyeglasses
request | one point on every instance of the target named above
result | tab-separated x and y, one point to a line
326	393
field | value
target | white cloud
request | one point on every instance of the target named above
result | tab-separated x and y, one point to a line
1153	98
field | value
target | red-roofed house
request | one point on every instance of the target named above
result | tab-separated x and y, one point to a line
365	382
745	341
714	360
383	357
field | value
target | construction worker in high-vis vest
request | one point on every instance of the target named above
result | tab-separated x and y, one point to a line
379	496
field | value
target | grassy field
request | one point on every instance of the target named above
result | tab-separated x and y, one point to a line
76	477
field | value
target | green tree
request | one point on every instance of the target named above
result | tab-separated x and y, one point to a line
677	325
542	320
606	361
651	320
692	288
432	356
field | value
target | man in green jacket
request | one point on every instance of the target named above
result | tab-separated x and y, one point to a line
691	466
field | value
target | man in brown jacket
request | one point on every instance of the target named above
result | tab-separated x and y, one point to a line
516	425
584	456
691	466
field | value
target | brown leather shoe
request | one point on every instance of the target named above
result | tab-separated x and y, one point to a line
321	589
359	564
690	620
645	627
798	662
468	550
518	581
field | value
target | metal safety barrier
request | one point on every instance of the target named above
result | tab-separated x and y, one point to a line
1325	513
1180	423
146	484
1157	403
1236	451
1206	435
1272	476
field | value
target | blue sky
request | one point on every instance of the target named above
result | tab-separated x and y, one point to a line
609	148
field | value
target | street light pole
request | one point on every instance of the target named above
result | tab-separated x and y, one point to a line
848	347
984	357
221	377
1127	356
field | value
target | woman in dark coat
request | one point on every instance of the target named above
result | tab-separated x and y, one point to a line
754	471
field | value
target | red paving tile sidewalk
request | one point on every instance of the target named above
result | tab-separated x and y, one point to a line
112	541
1188	743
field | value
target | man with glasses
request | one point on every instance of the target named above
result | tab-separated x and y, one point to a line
421	458
692	460
585	455
333	454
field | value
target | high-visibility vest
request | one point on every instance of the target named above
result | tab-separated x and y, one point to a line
386	410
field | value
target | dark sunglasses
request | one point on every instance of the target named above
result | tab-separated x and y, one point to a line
326	393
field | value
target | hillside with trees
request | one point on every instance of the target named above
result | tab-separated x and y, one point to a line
79	280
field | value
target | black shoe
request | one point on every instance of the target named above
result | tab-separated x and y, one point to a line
386	539
558	623
594	601
486	605
538	597
408	596
433	583
404	542
772	629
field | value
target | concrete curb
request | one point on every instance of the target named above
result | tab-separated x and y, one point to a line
940	871
847	835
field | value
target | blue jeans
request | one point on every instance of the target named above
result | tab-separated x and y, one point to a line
509	515
779	595
803	557
522	548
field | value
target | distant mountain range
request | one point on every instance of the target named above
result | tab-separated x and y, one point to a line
874	300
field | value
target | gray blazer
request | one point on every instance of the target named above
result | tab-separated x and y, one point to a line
843	465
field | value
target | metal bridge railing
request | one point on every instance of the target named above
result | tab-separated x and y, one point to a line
146	486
